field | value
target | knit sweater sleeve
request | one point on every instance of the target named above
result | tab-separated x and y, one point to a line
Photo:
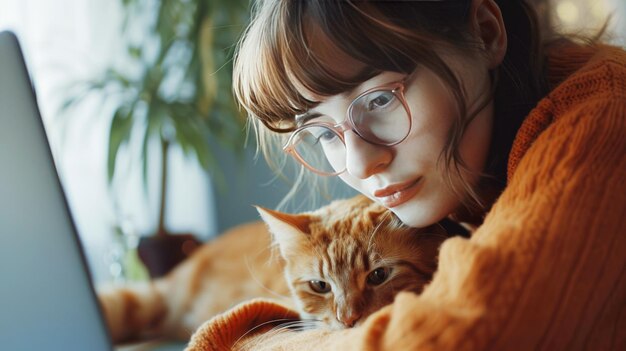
546	270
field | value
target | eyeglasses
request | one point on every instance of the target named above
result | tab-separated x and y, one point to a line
379	116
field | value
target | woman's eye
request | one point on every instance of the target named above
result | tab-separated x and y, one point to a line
319	286
327	136
318	134
381	101
378	276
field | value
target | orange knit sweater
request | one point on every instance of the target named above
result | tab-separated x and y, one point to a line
547	268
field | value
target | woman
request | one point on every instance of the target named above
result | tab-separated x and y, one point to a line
453	109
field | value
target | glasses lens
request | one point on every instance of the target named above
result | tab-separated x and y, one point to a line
321	149
380	117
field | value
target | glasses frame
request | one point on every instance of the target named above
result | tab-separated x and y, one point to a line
396	88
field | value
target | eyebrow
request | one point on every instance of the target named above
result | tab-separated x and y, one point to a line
307	116
302	118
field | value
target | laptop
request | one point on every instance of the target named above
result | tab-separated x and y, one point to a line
46	296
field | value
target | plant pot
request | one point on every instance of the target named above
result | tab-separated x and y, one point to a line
162	252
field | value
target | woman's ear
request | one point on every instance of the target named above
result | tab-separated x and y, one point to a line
487	23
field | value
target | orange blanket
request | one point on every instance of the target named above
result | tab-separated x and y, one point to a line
546	269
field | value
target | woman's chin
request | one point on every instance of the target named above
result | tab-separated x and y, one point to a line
420	215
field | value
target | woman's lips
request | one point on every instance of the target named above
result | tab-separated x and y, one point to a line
396	195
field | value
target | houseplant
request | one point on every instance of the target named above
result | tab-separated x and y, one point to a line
173	85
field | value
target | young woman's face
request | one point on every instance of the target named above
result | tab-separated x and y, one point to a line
408	177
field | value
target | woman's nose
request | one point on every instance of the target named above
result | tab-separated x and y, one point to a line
364	159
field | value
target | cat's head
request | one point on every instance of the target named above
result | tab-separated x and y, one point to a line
350	258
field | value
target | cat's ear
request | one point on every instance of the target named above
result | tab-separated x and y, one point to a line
285	221
289	230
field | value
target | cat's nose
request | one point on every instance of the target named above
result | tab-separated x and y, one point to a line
348	319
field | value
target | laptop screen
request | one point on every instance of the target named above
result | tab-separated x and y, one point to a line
47	299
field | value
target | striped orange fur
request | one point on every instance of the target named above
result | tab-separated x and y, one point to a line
342	246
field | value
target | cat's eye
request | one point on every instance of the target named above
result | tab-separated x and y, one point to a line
319	286
378	276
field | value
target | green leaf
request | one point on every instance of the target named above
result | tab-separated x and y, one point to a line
144	153
80	90
73	100
113	75
121	127
135	51
193	135
154	121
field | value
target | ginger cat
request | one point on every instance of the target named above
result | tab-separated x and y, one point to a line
347	260
341	262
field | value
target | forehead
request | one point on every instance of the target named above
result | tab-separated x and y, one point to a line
329	57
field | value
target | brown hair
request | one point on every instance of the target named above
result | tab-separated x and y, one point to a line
275	52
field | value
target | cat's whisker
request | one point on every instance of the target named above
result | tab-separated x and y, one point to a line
260	326
375	231
257	281
291	325
287	326
309	322
305	324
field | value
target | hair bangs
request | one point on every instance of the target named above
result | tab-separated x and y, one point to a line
260	81
274	63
